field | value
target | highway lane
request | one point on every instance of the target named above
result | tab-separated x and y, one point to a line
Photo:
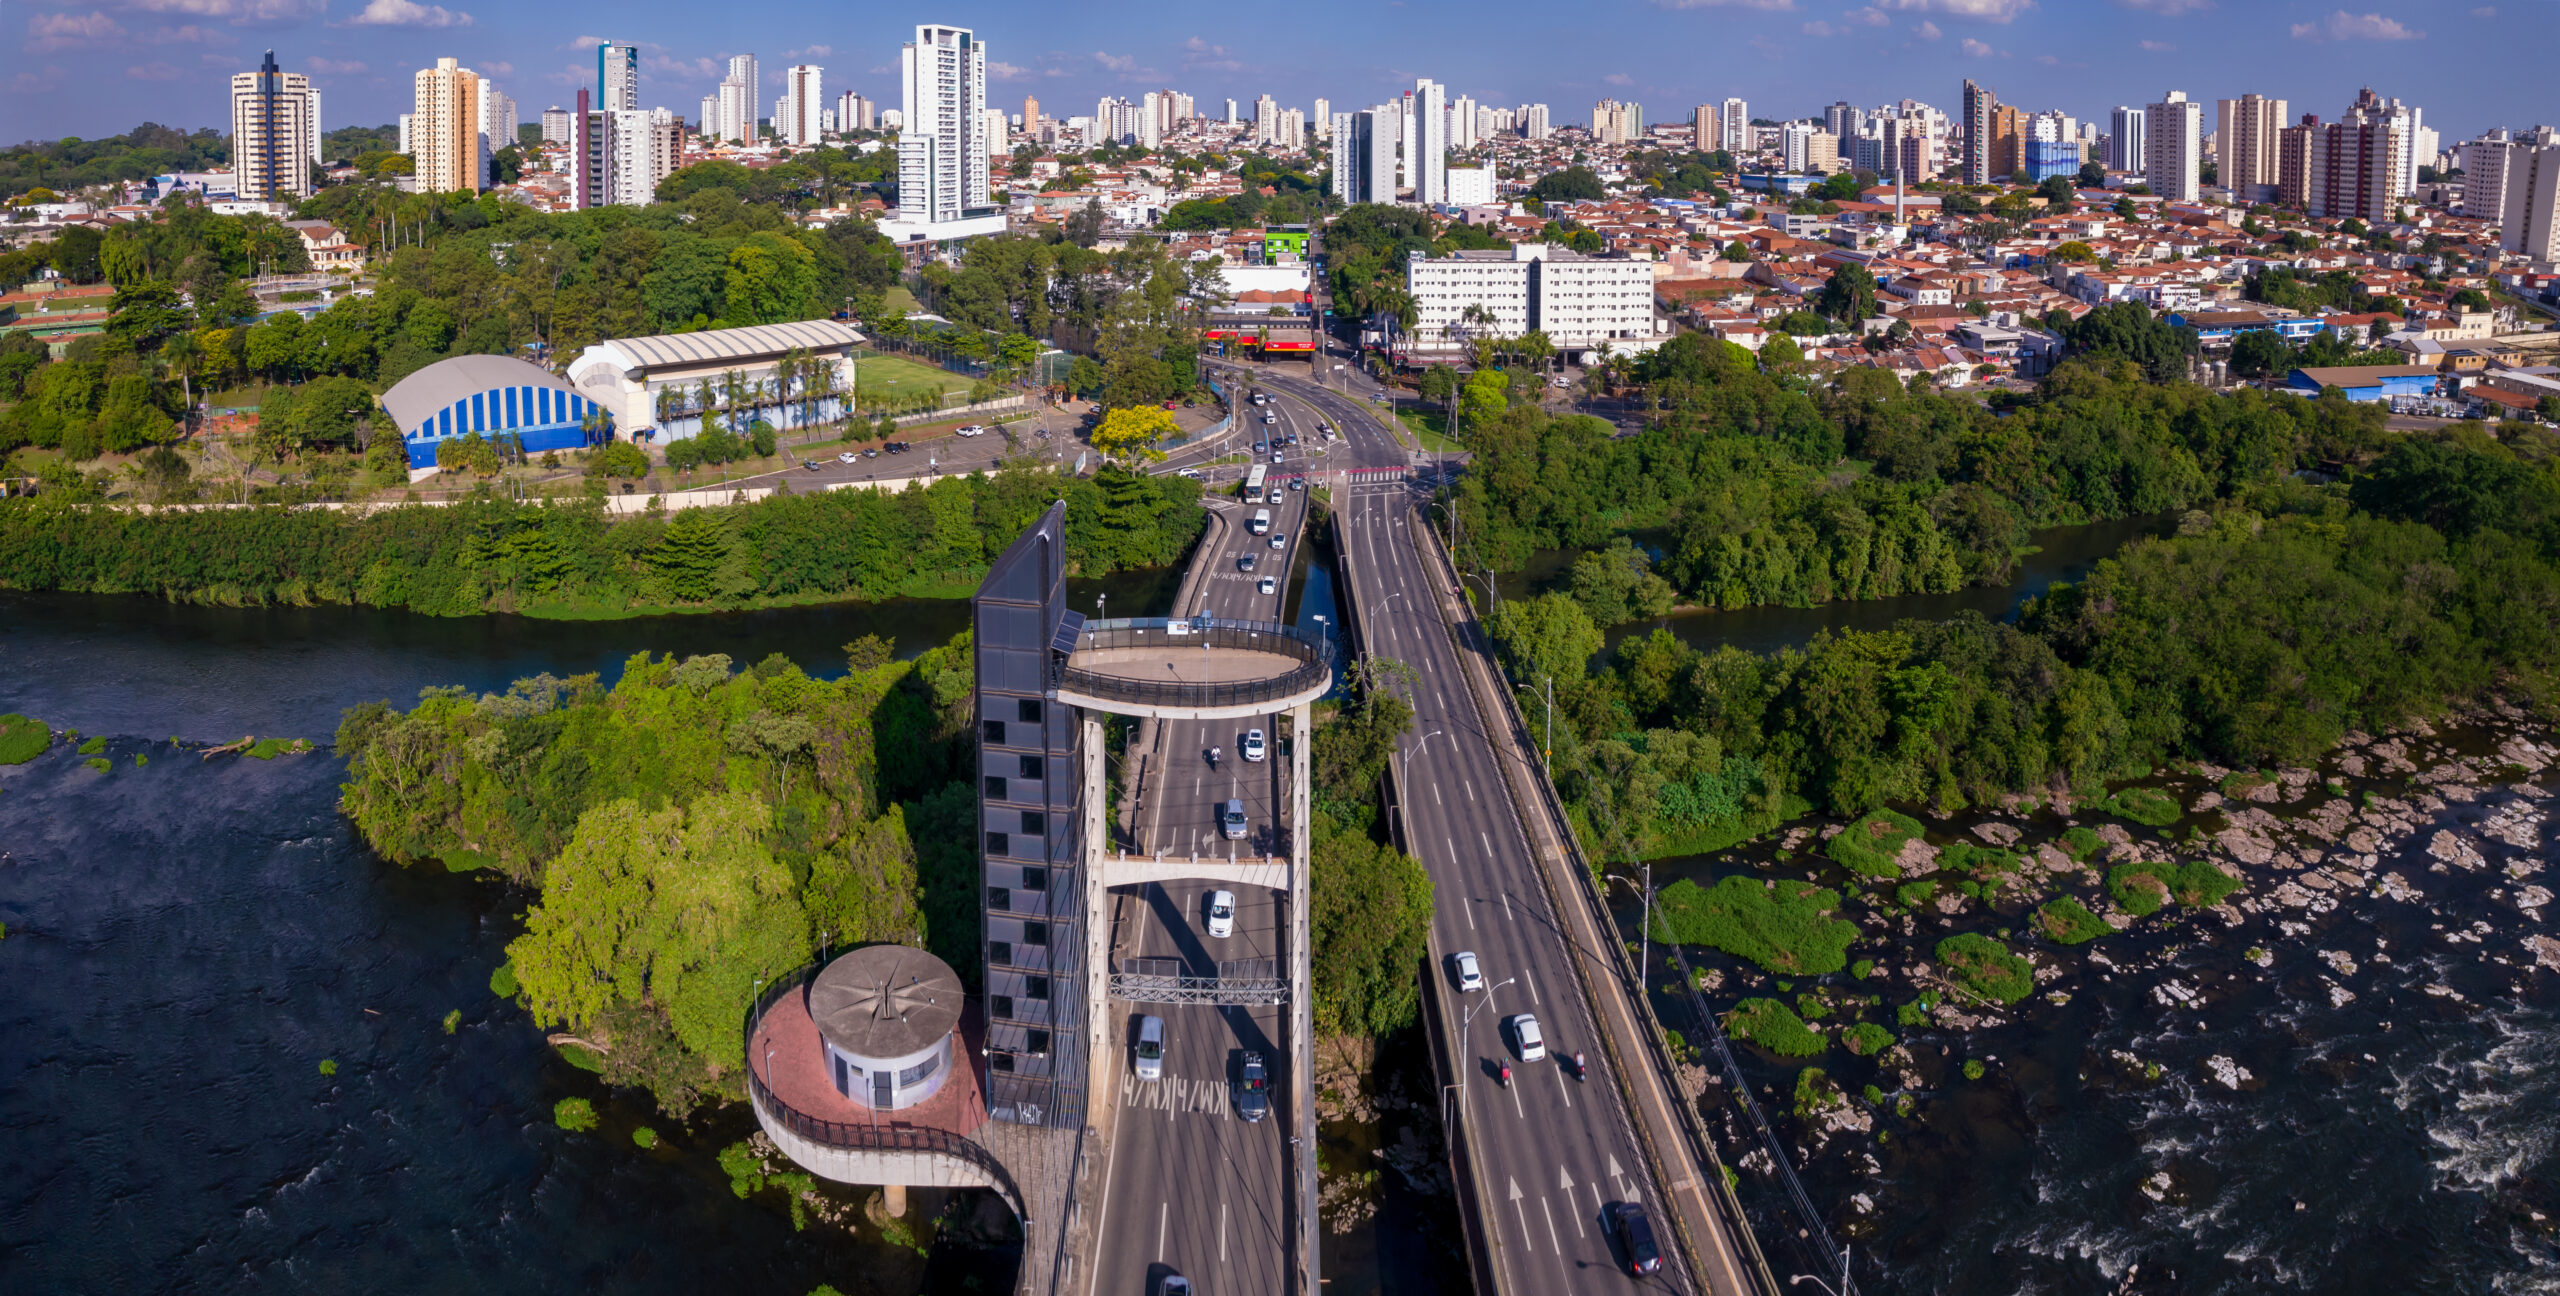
1192	1185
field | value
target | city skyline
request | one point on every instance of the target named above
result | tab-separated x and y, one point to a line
1786	57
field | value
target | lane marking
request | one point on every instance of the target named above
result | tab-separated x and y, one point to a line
1471	789
1507	914
1567	1091
1525	1240
1532	975
1549	1212
1435	794
1222	1230
1516	1108
1164	1211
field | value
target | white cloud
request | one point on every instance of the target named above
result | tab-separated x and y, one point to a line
2048	60
814	51
1619	79
588	42
2485	11
1995	11
1201	55
190	34
1766	6
29	83
2342	25
495	68
238	11
2158	47
1928	30
1820	28
1125	65
1976	48
153	71
2168	8
333	67
408	13
1868	17
49	32
702	69
1001	71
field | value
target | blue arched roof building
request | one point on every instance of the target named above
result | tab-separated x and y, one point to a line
493	396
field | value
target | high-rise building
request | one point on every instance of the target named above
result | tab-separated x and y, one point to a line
737	111
855	113
2245	134
2293	162
2173	144
743	70
2370	109
1266	119
1534	123
1613	122
709	122
622	154
617	77
803	99
2126	150
1231	112
942	151
1842	120
1151	111
1364	155
1427	149
1735	117
2530	221
558	126
2484	164
996	140
272	123
1806	147
1462	122
2008	141
444	128
2356	168
1703	135
497	121
1980	106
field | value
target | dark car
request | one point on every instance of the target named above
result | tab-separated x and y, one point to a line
810	464
894	447
1245	563
1635	1237
1253	1090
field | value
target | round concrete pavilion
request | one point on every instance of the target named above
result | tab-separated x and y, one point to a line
886	1015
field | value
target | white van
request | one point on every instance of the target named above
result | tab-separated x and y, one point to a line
1261	524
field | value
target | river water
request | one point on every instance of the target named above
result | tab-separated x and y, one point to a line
187	940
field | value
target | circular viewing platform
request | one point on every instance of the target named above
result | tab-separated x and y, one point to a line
1197	669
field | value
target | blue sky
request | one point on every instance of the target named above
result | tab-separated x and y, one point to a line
97	67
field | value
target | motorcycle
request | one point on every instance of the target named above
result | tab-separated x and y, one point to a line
1213	757
1579	1073
1506	1075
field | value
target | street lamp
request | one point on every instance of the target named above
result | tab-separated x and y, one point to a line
1464	1022
1846	1288
1417	751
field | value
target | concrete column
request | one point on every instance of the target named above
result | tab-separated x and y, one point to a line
893	1199
1096	918
1301	996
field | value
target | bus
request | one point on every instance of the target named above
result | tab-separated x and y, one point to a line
1253	479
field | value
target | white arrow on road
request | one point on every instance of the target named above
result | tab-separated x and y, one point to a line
1564	1179
1617	1176
1524	1216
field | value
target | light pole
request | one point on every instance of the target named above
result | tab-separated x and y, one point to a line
1324	628
1417	751
1464	1022
1846	1288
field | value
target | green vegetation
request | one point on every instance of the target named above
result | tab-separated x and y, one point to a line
93	746
453	1021
2080	843
502	981
328	1066
502	556
2142	887
1773	1026
1862	969
23	738
645	1137
748	1175
1986	865
99	763
140	759
1814	1091
1916	1013
2144	806
2069	922
1916	895
1973	1069
1866	1039
2238	784
1786	928
574	1114
1811	1008
1370	913
1986	967
68	164
1870	846
270	748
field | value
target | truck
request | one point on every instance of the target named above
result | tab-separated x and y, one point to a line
1261	522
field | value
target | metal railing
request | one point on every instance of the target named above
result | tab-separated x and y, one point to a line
851	1137
1313	655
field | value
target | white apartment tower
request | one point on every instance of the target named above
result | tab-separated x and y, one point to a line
942	152
2245	131
737	112
617	77
1533	122
1364	155
1736	119
2530	224
2370	109
2174	147
1427	150
742	69
803	101
274	122
2126	150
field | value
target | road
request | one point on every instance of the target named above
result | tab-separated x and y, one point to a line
1193	1187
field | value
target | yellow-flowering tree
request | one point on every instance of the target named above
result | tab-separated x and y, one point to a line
1134	432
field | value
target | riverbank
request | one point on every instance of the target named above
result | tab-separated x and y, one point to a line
2382	949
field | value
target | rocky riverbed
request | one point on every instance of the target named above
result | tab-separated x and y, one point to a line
2330	1060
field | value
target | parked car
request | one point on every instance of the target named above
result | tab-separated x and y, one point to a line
1222	914
1252	745
810	464
894	447
1253	1088
872	453
848	457
1192	473
1470	976
1634	1232
1150	1048
1524	1033
970	430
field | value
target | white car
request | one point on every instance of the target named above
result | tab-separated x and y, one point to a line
1470	977
1272	496
1222	914
1268	586
848	457
972	429
1193	473
1533	1046
1151	1048
1253	739
1279	540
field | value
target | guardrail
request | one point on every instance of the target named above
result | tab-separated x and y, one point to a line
1314	657
849	1137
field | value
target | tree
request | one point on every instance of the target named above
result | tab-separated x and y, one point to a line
2074	251
2129	330
1370	913
1735	252
2093	175
1850	296
1550	635
1574	183
147	312
2259	353
2057	193
1134	431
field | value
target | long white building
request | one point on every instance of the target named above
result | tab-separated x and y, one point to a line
942	150
1582	303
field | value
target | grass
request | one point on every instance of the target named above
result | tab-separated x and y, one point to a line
2238	784
645	1137
898	378
2143	887
453	1021
1786	929
1863	968
100	764
23	738
93	746
1866	1039
585	1059
1983	862
1869	845
270	748
2080	843
1916	895
2069	922
1773	1026
1986	967
1811	1008
1430	427
2150	807
901	300
1916	1012
574	1114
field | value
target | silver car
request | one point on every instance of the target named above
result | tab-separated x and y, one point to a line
1151	1048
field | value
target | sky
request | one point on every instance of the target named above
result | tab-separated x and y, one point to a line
99	67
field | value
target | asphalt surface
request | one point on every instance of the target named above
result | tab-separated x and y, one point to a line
1194	1188
1553	1150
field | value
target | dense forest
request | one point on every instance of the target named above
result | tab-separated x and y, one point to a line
497	555
2276	621
71	162
695	829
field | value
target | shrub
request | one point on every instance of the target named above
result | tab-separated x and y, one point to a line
1869	845
1874	1096
328	1066
1981	861
2238	784
1866	1039
23	738
2140	888
1811	1008
1914	1013
2080	843
93	746
140	760
574	1114
1863	968
2200	885
2148	806
453	1021
1785	928
1973	1069
502	981
618	459
1986	967
100	764
1773	1026
645	1137
1915	895
2069	922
